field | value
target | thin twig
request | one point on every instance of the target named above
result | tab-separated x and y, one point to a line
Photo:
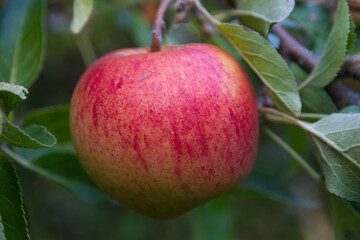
264	99
276	119
207	28
158	24
280	114
341	95
86	49
183	8
293	154
290	47
304	116
314	116
304	125
232	3
200	7
351	66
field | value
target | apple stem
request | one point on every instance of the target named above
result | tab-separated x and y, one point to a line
158	24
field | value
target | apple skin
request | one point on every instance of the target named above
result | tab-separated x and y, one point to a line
164	132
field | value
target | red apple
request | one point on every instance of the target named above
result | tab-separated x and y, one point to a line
164	132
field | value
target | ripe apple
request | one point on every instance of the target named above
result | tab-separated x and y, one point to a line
164	132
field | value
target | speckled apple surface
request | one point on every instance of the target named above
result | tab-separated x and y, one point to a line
164	132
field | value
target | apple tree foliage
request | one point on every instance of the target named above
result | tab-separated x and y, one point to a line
41	142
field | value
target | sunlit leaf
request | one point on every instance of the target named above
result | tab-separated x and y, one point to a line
261	15
11	95
82	11
267	64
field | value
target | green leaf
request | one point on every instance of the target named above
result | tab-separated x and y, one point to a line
316	100
33	136
61	166
55	119
82	11
337	139
2	234
351	109
264	186
13	225
22	40
260	15
352	36
267	64
11	95
222	213
265	181
139	28
334	53
298	140
346	219
314	22
355	47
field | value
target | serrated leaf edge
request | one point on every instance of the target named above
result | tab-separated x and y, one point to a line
27	135
339	180
312	77
297	102
21	202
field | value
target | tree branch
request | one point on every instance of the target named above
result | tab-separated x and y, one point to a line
183	8
291	48
158	24
232	3
352	66
342	95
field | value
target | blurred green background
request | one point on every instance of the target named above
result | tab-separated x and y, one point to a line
278	200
